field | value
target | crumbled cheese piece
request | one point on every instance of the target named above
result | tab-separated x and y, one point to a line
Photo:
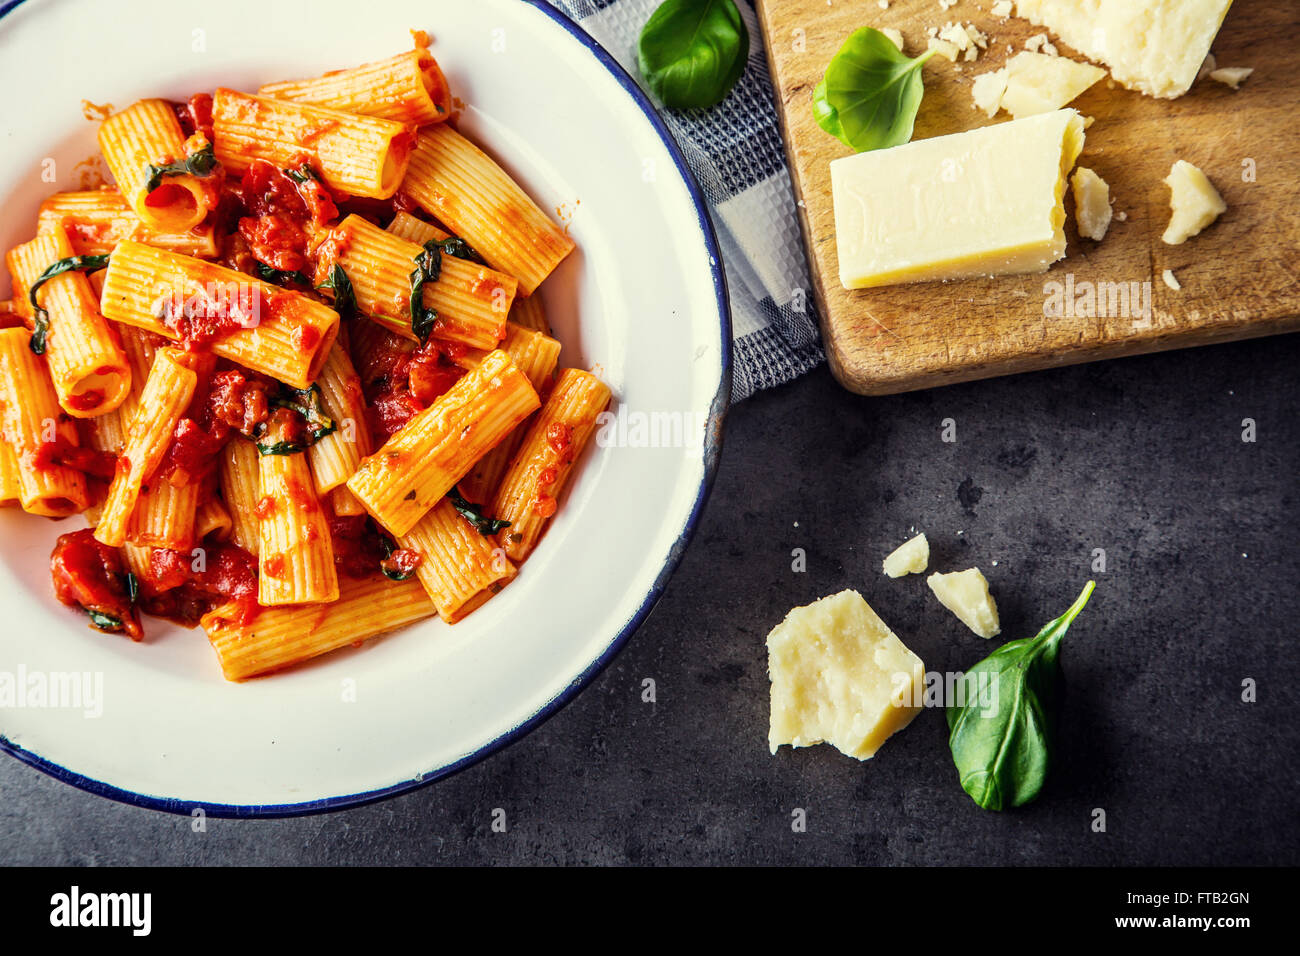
979	38
1091	203
1122	216
987	91
966	594
1034	83
1039	43
883	4
947	4
840	676
945	49
1232	76
1171	280
895	36
1207	67
1088	121
932	31
910	557
1194	202
1002	8
954	34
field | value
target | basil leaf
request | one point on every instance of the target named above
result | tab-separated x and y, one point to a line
1002	748
692	52
308	403
105	622
345	299
428	267
196	164
281	276
278	448
132	587
458	248
302	174
41	322
474	514
871	91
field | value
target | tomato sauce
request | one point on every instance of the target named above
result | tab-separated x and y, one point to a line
184	585
91	576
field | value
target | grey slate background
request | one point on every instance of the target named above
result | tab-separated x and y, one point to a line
1142	457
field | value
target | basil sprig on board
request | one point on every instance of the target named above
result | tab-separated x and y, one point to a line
692	52
1003	756
41	321
308	403
474	514
871	91
345	299
196	164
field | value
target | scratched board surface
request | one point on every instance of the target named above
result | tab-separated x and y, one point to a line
1239	278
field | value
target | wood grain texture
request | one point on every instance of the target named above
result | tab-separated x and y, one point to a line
1240	277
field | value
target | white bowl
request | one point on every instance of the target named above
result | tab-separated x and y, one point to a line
642	302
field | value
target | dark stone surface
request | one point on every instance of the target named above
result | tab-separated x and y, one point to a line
1141	457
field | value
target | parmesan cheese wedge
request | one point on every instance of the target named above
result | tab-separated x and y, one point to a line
966	594
984	202
840	676
1154	46
1194	202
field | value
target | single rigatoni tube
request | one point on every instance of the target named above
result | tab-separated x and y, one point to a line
336	456
89	371
98	219
282	636
407	88
471	300
280	333
358	155
295	561
430	453
212	518
164	516
31	417
240	486
541	466
459	568
345	503
529	312
405	226
163	403
536	356
10	481
148	134
465	190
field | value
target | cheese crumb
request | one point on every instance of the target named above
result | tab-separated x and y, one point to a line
1039	43
883	4
1208	66
1002	8
895	36
1091	203
840	676
910	557
954	34
1171	280
1194	202
1122	216
987	91
947	4
1034	83
1232	76
966	594
945	49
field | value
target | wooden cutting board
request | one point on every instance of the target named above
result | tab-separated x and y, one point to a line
1240	277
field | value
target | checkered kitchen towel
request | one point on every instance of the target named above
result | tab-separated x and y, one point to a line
734	150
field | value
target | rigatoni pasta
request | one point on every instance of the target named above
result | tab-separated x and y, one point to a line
464	188
361	155
408	88
528	494
306	415
425	459
89	371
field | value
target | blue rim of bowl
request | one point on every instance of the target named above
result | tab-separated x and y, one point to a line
712	452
